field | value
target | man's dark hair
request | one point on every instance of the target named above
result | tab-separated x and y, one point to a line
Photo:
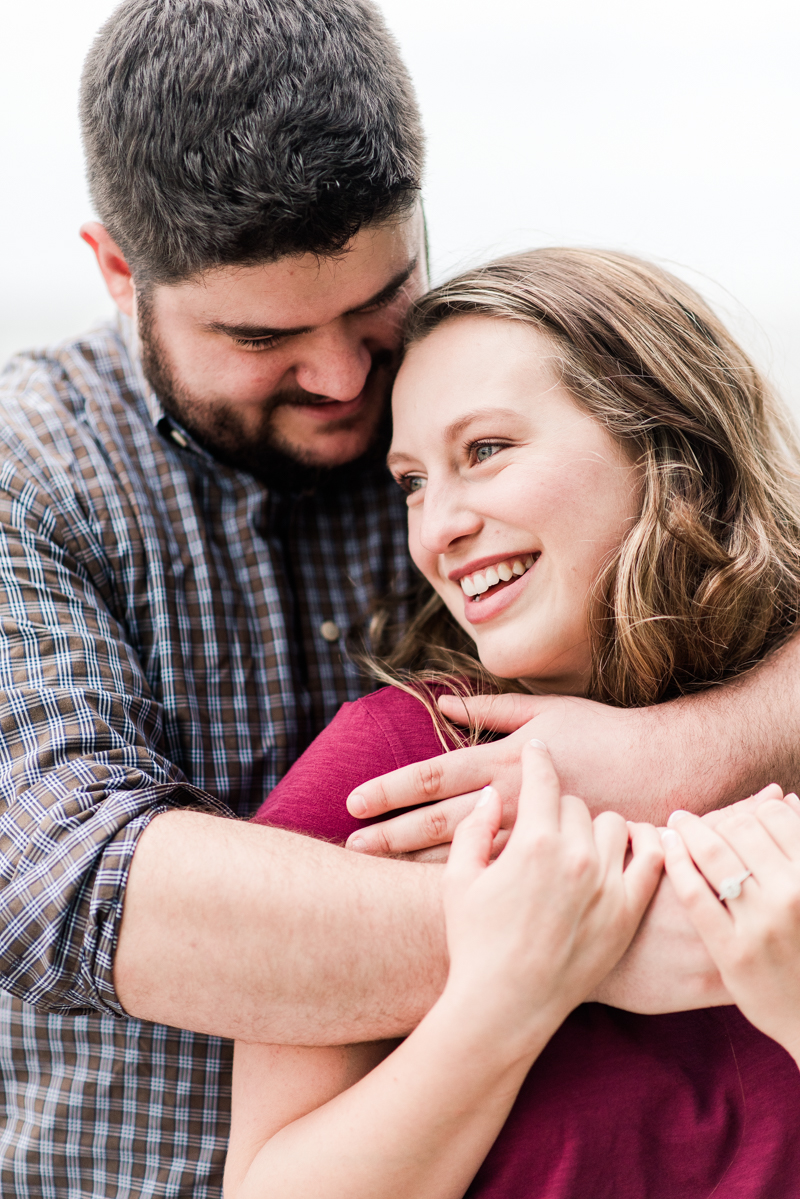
239	131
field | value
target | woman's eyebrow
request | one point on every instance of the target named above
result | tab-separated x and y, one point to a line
396	456
455	430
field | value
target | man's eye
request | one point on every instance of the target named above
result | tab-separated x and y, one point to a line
256	343
411	483
482	452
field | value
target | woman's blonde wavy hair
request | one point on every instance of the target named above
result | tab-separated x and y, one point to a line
707	582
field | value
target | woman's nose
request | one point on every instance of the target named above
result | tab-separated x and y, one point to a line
333	362
446	518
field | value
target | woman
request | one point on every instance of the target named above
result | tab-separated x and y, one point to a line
603	500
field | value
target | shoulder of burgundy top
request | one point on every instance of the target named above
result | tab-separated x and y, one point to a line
376	734
618	1106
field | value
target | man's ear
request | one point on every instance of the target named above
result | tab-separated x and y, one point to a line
113	266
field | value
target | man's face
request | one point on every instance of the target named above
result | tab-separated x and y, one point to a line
295	357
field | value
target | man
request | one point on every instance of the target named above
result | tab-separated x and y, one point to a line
194	510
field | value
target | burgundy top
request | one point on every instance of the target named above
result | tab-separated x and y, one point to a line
618	1106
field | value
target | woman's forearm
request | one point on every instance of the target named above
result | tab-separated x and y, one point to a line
418	1125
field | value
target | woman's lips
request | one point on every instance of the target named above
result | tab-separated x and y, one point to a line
497	598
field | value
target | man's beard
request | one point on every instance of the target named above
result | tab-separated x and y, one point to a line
263	454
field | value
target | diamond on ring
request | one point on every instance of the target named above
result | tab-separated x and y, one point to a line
731	888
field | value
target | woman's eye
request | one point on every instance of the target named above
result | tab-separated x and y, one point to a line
482	452
411	483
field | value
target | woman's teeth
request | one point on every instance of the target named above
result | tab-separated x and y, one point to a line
475	584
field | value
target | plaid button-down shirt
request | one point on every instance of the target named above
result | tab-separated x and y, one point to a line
160	646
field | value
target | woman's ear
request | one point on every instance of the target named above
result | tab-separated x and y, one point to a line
113	266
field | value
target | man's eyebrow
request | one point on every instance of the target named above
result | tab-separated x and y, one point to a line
257	332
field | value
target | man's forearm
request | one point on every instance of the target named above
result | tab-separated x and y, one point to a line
666	968
734	739
259	934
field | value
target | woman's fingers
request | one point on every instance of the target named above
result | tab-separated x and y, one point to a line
782	822
710	917
540	794
611	837
748	837
711	852
772	791
644	870
793	801
472	842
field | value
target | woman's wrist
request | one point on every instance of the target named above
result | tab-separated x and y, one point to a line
484	1023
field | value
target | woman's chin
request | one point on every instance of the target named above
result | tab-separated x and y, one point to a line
537	677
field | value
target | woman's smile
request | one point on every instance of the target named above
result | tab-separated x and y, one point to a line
517	497
494	585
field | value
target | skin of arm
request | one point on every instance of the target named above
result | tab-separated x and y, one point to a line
528	936
239	930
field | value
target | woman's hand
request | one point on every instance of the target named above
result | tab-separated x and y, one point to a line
531	934
753	936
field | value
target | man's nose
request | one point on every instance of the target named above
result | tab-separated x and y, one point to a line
334	362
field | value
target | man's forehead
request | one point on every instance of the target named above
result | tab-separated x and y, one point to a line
303	291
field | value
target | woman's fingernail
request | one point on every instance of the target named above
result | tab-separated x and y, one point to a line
677	815
537	744
485	795
669	837
356	804
358	844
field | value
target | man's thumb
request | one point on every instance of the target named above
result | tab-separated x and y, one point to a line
493	713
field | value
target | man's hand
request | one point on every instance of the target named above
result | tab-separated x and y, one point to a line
597	750
698	752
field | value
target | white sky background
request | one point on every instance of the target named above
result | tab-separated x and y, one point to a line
668	129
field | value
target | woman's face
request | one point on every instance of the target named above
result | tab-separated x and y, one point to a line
516	497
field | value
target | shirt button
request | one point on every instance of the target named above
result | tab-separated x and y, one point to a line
330	630
179	438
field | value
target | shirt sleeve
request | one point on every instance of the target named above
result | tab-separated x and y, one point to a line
81	775
311	797
370	737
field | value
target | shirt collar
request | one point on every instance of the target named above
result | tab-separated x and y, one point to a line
166	425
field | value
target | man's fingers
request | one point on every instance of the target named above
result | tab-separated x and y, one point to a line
494	713
420	829
454	773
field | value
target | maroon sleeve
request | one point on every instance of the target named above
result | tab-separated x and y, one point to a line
365	739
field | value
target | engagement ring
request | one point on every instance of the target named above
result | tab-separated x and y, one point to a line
731	888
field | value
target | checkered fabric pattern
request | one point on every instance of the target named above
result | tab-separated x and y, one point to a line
160	646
